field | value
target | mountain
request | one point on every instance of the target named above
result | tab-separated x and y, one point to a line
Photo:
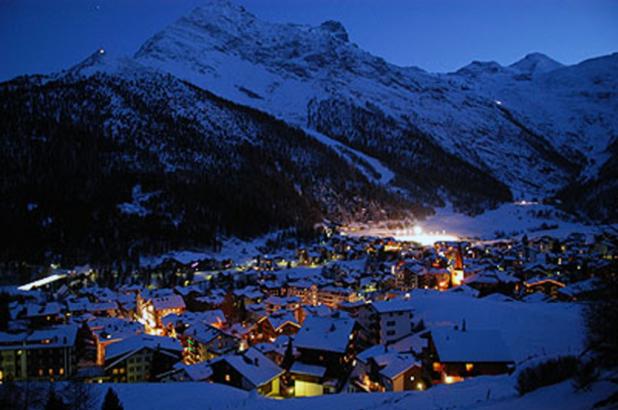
535	63
553	125
224	124
284	68
107	167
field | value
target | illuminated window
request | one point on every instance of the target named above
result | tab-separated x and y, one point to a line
50	371
61	371
115	371
437	366
469	367
227	378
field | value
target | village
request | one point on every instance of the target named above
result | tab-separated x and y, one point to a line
337	315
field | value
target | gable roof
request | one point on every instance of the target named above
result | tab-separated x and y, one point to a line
325	333
136	343
471	346
253	365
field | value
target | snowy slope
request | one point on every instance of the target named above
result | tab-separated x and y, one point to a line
478	393
281	68
572	106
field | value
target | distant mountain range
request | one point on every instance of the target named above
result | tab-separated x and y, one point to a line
223	124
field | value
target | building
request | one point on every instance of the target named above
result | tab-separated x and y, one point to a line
105	330
141	358
249	370
305	290
43	354
406	274
204	342
456	354
382	369
548	286
152	311
328	343
277	303
333	296
386	321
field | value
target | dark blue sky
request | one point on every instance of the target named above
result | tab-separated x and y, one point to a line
40	36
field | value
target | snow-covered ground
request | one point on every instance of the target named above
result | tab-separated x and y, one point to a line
530	330
385	174
510	220
480	393
236	249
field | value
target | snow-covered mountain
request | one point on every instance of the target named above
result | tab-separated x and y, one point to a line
283	68
289	124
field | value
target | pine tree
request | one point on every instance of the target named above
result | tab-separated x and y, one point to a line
79	396
111	401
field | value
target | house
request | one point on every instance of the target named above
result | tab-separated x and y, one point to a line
455	354
333	296
382	369
386	321
153	310
583	290
277	303
104	331
278	350
309	380
328	342
305	290
268	328
493	281
44	354
42	315
181	372
548	286
204	342
141	358
248	370
406	274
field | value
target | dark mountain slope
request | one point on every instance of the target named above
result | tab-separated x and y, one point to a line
106	168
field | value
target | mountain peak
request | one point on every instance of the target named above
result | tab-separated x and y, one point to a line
336	29
476	68
536	62
96	59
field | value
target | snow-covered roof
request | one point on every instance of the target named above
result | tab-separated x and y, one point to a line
578	288
393	364
471	346
324	333
168	302
196	372
412	343
135	343
53	337
279	319
254	366
394	305
308	369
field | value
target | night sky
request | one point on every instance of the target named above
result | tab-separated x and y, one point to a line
41	36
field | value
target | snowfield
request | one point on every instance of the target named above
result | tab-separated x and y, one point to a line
509	220
480	393
530	330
